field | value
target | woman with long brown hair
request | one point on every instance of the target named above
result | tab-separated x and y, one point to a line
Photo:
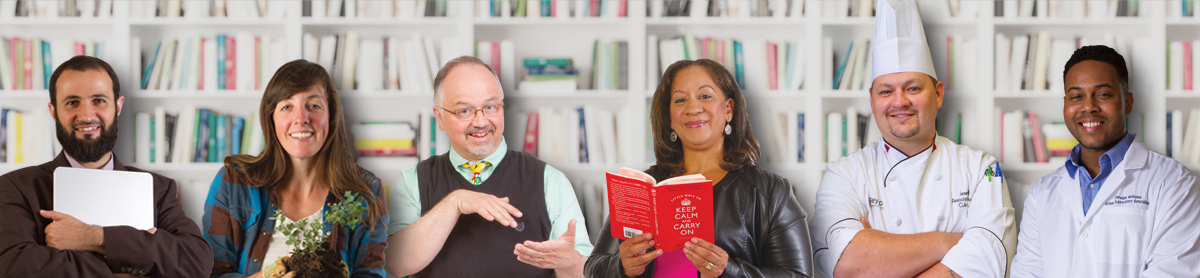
700	124
307	165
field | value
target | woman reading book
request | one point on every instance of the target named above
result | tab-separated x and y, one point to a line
306	167
699	119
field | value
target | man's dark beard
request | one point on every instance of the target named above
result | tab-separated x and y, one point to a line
85	151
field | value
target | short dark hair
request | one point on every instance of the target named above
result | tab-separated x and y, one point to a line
740	146
83	63
1103	54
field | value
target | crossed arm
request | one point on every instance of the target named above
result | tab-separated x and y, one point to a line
874	253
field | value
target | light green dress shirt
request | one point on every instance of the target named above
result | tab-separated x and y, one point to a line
404	199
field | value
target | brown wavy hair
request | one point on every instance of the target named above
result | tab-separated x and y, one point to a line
740	147
334	161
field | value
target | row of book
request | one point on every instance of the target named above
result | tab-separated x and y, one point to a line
757	65
1183	135
208	8
378	8
570	135
389	63
786	129
1181	58
847	133
854	69
194	135
55	8
1068	8
385	139
222	62
726	8
27	137
1181	8
609	67
549	75
1024	138
551	8
27	63
1036	61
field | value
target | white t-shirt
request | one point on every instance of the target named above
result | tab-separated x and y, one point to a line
279	247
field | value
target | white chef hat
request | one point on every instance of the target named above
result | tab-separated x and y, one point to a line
899	44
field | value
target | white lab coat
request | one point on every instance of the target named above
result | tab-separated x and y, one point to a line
945	188
1144	222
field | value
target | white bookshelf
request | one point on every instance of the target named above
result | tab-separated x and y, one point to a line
573	37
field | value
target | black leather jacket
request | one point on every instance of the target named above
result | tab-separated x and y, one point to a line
758	223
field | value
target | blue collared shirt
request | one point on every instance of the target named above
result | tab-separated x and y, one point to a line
1109	160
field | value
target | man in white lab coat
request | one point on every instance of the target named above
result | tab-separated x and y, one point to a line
913	203
1115	209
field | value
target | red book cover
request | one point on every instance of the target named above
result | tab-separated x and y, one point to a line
1187	65
772	68
595	8
1039	139
621	9
496	58
704	48
554	8
201	61
230	59
80	49
28	64
674	210
721	51
257	67
531	132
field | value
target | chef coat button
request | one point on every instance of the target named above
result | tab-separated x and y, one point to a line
937	177
941	218
892	178
1084	234
898	221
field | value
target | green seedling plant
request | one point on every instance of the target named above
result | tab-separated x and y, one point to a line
306	238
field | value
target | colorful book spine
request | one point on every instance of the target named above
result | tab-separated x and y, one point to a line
202	135
220	62
18	63
28	64
1187	65
213	153
230	64
739	61
150	67
47	67
772	67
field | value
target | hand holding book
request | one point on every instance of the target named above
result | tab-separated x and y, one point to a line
674	210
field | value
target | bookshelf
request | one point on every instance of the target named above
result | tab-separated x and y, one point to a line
573	37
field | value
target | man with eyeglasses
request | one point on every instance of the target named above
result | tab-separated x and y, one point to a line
480	208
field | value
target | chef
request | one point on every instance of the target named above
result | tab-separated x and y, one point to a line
1115	208
913	203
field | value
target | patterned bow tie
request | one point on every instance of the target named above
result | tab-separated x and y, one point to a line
478	167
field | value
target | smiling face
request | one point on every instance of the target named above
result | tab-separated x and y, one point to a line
302	122
86	114
699	109
905	106
471	86
1095	106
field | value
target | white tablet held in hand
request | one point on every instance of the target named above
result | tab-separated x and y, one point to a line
105	198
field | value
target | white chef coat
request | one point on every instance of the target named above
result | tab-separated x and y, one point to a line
1144	222
947	187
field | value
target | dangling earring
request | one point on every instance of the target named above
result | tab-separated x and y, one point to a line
728	129
673	136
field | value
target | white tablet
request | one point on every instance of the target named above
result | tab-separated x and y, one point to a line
105	198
